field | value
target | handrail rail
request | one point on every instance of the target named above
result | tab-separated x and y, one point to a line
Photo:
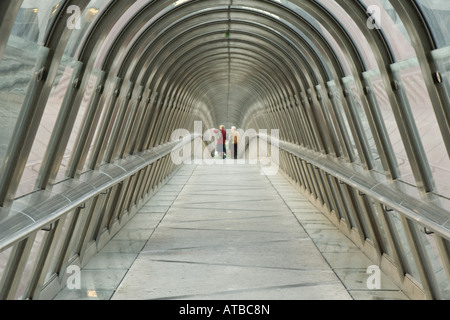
376	186
40	209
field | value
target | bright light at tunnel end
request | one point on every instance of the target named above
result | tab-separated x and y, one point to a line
254	148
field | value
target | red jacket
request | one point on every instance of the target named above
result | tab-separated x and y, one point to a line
222	137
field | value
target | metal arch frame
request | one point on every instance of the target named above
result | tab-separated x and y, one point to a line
308	59
426	273
402	112
206	78
174	87
242	55
291	87
276	105
282	24
348	48
424	44
356	130
153	77
8	13
322	43
325	52
122	103
70	108
261	91
33	106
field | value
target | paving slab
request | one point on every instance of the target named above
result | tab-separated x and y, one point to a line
226	232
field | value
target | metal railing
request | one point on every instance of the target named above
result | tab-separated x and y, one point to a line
48	231
408	236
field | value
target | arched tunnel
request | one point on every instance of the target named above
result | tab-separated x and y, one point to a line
346	100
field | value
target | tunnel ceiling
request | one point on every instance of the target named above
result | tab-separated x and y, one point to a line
88	82
220	57
91	92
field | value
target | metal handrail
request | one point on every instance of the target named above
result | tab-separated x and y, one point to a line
40	209
375	185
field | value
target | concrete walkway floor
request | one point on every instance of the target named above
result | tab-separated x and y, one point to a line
226	232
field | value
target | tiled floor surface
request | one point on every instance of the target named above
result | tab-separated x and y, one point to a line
227	232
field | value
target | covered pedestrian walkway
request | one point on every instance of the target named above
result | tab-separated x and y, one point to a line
227	232
109	111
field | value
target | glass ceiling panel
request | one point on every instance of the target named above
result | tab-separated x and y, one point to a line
322	30
353	31
82	30
393	29
437	14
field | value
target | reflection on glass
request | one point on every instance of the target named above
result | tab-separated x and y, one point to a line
434	255
30	265
77	127
353	30
18	61
409	74
33	19
379	90
78	36
323	31
367	136
437	14
408	262
336	96
393	30
46	127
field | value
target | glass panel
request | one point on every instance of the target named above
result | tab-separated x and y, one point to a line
78	35
367	137
94	139
404	251
90	89
4	257
18	62
58	247
436	263
409	74
323	31
46	126
392	28
441	58
30	268
379	90
33	19
437	14
353	30
340	112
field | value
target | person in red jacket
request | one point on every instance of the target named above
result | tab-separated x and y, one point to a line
221	146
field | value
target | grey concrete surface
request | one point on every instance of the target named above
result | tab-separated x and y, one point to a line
226	232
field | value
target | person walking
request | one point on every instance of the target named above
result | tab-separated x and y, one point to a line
234	141
221	147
